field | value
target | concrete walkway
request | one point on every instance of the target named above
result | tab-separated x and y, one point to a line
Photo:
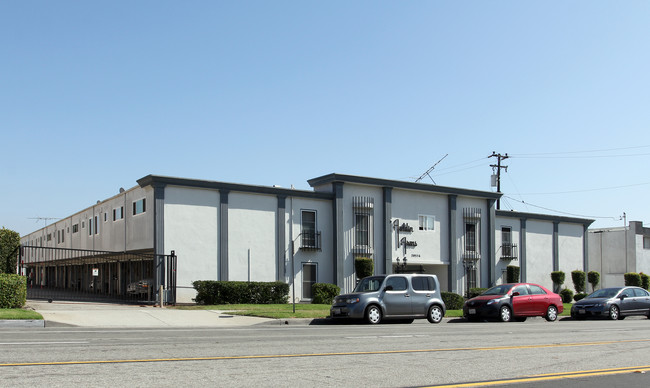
121	316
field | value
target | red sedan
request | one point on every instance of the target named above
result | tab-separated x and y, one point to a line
514	301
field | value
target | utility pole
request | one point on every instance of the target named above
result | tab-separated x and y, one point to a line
498	166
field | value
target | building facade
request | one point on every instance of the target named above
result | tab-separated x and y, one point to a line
226	231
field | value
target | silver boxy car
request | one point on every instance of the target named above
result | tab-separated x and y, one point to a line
400	296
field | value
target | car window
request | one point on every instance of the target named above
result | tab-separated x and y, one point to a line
522	290
422	283
605	293
398	283
498	290
626	293
370	284
640	292
536	290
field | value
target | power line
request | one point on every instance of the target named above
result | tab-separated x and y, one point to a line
558	211
588	190
582	152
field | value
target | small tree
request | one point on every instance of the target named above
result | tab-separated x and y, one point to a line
558	279
512	274
364	267
9	243
645	281
594	279
632	279
578	278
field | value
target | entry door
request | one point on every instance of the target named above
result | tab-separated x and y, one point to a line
308	279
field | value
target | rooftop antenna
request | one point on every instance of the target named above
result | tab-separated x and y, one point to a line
43	219
429	170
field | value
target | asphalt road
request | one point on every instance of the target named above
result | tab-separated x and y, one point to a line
388	355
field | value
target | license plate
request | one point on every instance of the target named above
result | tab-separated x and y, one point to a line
472	311
581	311
337	311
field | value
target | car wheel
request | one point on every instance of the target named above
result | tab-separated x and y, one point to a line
373	314
505	315
551	313
614	313
435	314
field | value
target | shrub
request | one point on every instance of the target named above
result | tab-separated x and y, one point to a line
567	295
632	279
474	292
558	279
13	291
225	292
512	274
578	278
452	300
364	267
324	293
594	279
579	296
645	281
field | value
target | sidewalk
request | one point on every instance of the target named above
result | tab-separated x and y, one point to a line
80	314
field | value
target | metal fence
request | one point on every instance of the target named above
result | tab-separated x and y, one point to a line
89	275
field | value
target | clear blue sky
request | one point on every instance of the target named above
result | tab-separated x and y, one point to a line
95	95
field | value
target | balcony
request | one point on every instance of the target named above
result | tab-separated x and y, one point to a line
509	252
310	241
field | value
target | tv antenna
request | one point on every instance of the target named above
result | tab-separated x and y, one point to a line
43	219
429	170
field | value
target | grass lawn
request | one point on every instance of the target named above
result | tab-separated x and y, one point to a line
19	314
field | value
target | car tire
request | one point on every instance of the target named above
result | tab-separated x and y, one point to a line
435	314
373	314
614	312
505	314
551	313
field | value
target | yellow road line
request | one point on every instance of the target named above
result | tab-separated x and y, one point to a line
249	357
550	377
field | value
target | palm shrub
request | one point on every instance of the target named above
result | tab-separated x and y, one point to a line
558	279
364	266
324	293
594	279
512	274
578	278
632	279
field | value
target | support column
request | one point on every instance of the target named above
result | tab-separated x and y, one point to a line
223	235
339	259
585	248
452	269
491	251
280	227
159	235
556	246
522	250
388	235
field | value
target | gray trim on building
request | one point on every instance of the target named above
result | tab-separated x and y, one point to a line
280	237
452	269
556	245
159	235
585	249
491	221
339	236
223	235
388	231
522	250
543	217
342	178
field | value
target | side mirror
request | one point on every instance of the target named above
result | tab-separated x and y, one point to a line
516	293
623	296
388	288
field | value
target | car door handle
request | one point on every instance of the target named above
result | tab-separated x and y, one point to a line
428	295
407	295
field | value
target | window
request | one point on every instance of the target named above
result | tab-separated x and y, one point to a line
426	222
58	237
646	242
139	206
90	226
522	290
105	216
96	224
506	241
308	279
398	283
118	213
361	229
49	237
423	283
75	228
536	290
308	231
470	237
62	235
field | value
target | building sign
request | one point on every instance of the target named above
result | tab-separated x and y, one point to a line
95	271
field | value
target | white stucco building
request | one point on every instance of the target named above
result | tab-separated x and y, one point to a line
226	231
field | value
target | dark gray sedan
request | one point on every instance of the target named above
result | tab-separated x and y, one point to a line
613	303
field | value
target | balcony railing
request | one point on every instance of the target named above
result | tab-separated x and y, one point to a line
310	241
509	252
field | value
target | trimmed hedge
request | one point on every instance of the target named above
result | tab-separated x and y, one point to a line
512	274
566	295
645	281
579	278
474	292
452	300
579	296
364	267
324	293
225	292
632	279
594	279
13	291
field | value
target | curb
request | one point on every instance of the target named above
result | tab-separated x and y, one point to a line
22	323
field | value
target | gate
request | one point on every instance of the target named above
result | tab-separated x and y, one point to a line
89	275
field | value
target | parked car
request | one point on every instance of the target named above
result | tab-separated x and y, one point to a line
140	287
514	301
613	303
400	296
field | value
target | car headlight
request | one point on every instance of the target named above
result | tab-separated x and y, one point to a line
351	300
492	301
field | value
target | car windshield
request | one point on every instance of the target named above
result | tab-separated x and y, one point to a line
370	284
499	290
605	293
